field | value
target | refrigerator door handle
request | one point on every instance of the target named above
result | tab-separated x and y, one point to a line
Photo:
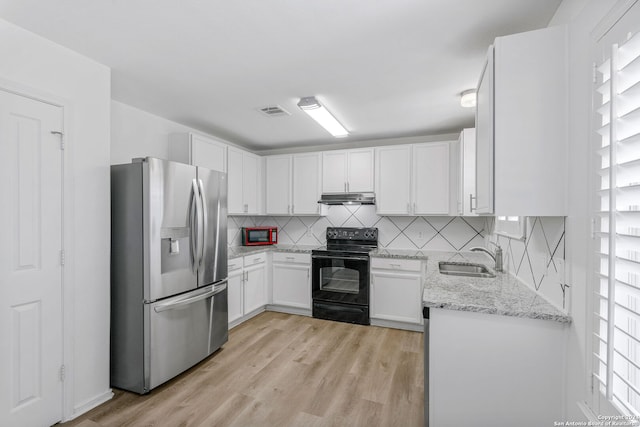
193	225
204	223
186	301
217	240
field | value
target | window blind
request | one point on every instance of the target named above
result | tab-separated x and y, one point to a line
617	294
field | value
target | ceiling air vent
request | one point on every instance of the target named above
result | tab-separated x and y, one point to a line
274	111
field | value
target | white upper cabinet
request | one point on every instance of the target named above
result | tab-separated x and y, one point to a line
334	172
293	184
347	171
278	185
360	170
521	126
416	179
431	173
467	172
198	150
307	184
393	180
244	172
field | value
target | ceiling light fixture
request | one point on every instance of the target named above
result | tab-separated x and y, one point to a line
320	114
468	98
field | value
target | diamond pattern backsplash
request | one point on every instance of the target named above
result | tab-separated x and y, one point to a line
426	233
538	260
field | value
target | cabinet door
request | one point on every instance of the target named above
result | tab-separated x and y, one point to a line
393	180
334	172
468	172
234	178
234	295
278	185
484	138
431	178
307	183
396	297
291	285
250	183
208	153
255	295
360	171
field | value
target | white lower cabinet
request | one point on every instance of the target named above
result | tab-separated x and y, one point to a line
396	293
255	282
291	280
234	295
247	287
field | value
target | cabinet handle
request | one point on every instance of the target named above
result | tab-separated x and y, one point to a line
345	187
408	207
471	198
415	207
308	272
395	265
292	209
257	260
246	208
291	258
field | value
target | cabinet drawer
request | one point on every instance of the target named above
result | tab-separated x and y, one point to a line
234	264
297	258
396	264
255	259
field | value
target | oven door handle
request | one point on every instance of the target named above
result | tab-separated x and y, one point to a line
355	258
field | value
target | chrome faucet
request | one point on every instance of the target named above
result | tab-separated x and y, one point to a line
497	257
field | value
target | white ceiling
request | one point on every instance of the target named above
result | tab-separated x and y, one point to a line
385	68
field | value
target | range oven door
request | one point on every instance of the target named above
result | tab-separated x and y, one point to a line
341	278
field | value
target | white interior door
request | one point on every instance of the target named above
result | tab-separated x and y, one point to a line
30	267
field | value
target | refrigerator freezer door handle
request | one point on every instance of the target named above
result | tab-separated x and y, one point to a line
184	302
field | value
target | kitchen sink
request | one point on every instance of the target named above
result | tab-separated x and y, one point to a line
464	269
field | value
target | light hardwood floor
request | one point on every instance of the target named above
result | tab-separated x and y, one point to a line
285	370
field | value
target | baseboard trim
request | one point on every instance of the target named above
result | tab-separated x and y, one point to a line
588	412
397	325
89	404
289	310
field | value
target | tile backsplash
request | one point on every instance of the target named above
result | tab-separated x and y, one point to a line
426	233
538	260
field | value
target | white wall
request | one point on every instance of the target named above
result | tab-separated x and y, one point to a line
136	133
84	85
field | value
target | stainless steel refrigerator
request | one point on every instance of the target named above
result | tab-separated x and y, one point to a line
168	270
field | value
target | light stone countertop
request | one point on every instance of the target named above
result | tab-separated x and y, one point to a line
238	251
503	295
400	254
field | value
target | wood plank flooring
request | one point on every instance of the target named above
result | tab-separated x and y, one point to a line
286	370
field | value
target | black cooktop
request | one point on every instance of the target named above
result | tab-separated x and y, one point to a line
350	240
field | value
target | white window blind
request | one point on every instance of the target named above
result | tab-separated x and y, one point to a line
617	317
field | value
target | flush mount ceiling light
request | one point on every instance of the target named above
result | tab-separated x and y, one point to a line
468	98
320	114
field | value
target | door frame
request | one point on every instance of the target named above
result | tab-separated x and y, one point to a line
68	330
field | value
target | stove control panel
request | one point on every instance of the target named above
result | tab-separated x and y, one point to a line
349	233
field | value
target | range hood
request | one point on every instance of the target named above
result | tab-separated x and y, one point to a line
348	199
